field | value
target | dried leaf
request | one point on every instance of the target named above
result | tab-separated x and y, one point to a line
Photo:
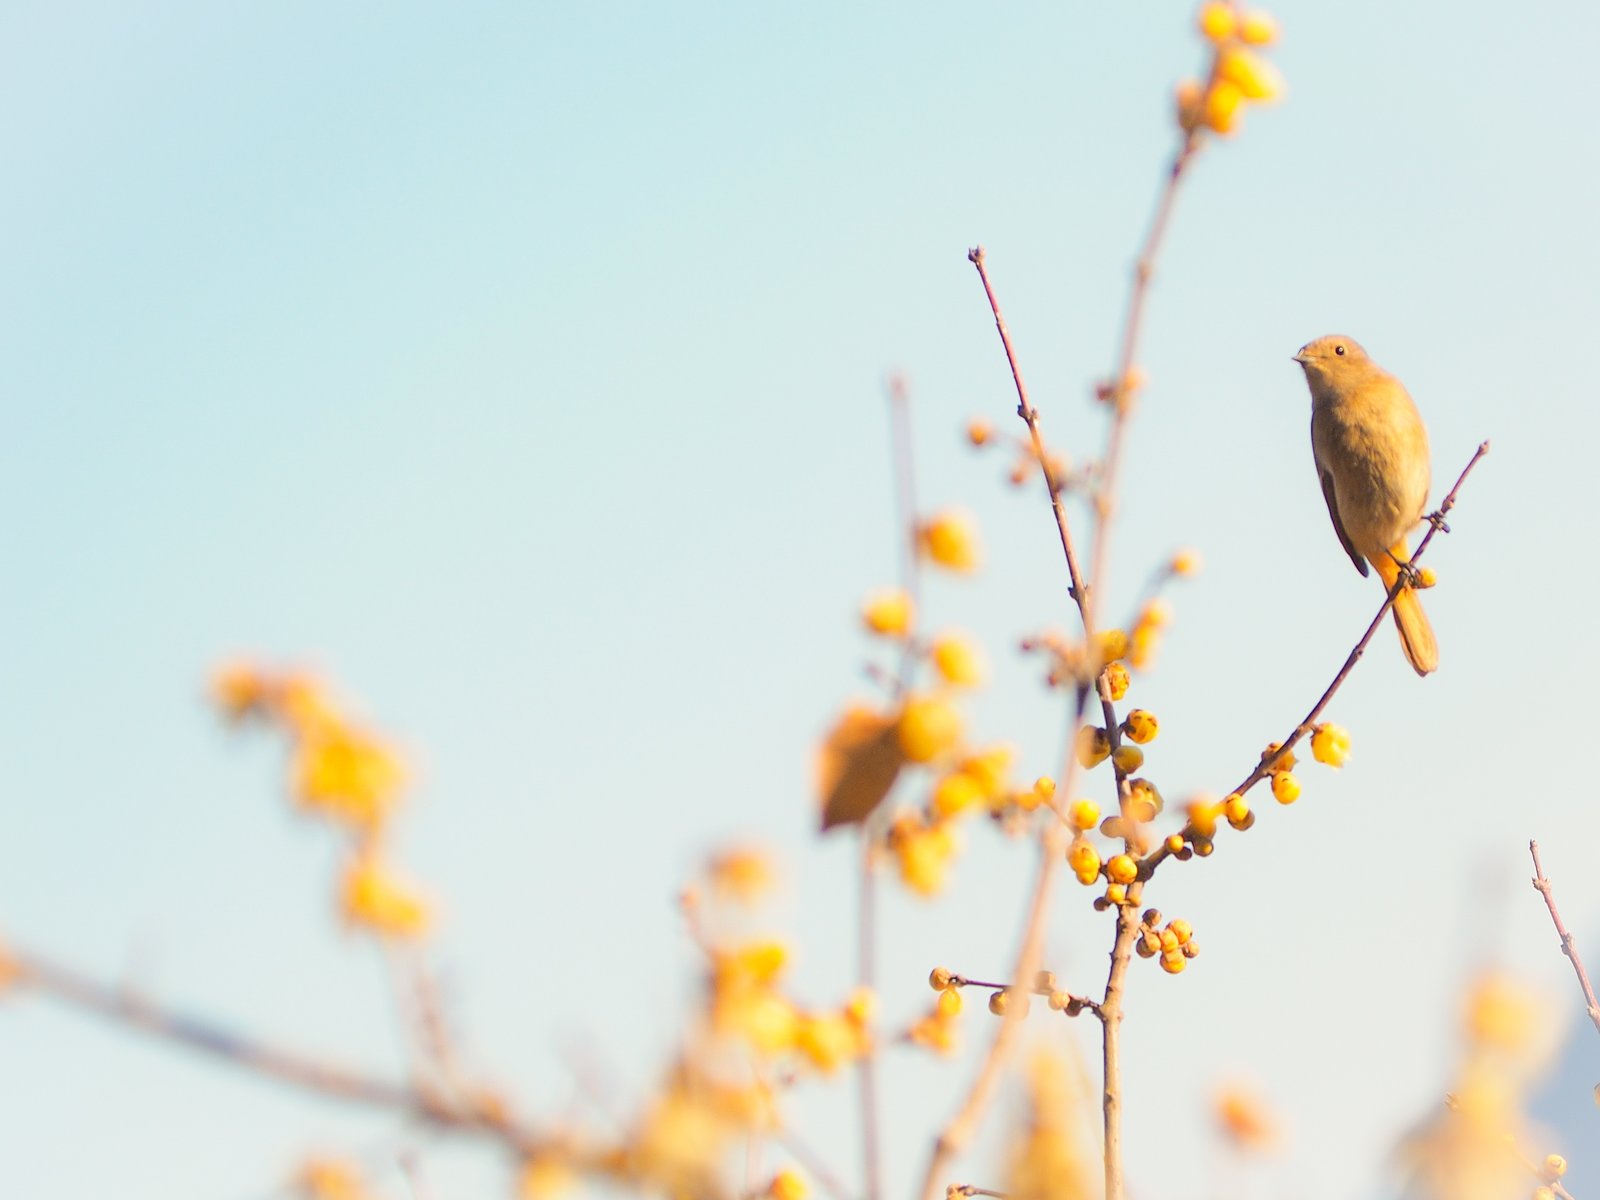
857	764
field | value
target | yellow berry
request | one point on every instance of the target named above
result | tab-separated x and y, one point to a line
1203	816
1544	1193
1116	893
1128	759
1330	744
1554	1166
1236	809
1173	963
1059	1000
1217	20
939	978
955	792
1045	786
1174	843
1285	787
1168	942
1181	930
786	1185
1088	878
957	661
1221	108
1083	858
1185	562
1116	677
1122	869
1084	814
1113	644
951	541
1093	746
949	1003
1254	76
888	613
1141	726
928	727
1286	763
979	431
1258	28
999	1001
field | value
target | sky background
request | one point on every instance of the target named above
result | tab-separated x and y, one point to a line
521	367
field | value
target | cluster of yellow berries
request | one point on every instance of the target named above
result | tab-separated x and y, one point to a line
1550	1170
744	1001
1238	75
937	1028
1174	944
339	772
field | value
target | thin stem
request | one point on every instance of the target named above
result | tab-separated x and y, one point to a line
866	1065
1111	1045
288	1066
1543	886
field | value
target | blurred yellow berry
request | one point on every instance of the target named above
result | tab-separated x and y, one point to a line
1554	1166
740	874
1113	644
1543	1193
1254	76
1426	578
239	689
1258	28
1045	786
1173	963
958	661
1084	860
1244	1119
889	612
1222	102
928	727
1202	815
923	854
827	1041
1217	20
1185	562
949	1003
955	792
1128	759
1330	744
1285	787
1122	869
1141	726
1084	814
347	776
861	1006
1116	677
951	541
979	431
545	1175
374	898
1144	801
1116	893
936	1033
329	1179
786	1185
1093	746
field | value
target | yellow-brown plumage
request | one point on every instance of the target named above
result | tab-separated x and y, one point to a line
1371	450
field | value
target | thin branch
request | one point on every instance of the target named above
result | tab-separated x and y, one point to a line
1111	1045
288	1066
1542	885
1269	763
959	1131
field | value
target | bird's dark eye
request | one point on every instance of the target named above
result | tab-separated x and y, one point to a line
1339	350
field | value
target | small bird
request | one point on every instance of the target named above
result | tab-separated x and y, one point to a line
1371	450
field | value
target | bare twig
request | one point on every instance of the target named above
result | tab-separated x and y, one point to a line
967	1189
293	1067
1542	885
1111	1044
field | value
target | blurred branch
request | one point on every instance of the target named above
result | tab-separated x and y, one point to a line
275	1062
1542	885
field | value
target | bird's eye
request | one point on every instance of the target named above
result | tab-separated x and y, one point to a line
1339	350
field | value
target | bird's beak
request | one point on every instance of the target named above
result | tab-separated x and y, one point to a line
1299	358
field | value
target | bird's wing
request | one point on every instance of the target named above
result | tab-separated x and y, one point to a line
1338	525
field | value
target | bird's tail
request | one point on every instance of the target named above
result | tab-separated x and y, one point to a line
1416	635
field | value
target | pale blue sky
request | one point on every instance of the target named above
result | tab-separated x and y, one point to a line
521	367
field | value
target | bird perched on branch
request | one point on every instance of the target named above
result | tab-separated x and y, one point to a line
1371	450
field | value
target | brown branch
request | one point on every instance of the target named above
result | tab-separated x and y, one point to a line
1542	885
1269	763
274	1062
1111	1045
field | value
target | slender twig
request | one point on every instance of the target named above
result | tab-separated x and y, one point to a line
967	1189
294	1067
961	981
1542	885
959	1131
1111	1045
866	1065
